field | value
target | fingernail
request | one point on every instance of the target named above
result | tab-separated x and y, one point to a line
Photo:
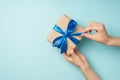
82	34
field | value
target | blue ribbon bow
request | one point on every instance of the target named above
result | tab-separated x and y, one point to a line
61	41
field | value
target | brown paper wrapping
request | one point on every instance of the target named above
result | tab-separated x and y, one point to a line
63	23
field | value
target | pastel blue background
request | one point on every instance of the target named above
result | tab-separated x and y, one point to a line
26	55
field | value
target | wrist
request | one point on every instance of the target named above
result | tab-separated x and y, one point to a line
85	68
89	73
109	41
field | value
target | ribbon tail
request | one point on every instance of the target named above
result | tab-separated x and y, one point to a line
76	34
74	40
64	46
58	29
57	41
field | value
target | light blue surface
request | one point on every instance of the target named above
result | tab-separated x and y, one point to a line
26	55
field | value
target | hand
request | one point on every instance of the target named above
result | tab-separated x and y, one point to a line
80	61
76	58
100	35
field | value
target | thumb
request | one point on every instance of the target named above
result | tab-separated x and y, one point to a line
67	57
71	52
87	35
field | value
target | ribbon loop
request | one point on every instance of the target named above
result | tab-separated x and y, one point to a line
71	26
61	41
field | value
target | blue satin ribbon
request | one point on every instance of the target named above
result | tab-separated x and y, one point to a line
61	41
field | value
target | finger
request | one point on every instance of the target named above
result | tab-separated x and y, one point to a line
78	54
95	24
82	57
68	52
72	52
68	58
87	35
89	29
91	24
76	51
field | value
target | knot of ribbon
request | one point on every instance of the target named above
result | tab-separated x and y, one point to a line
61	41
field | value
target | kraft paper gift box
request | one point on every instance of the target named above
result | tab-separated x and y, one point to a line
63	23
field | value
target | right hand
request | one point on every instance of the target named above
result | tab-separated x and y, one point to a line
80	61
100	35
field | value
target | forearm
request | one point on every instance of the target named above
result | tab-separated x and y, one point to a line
113	41
89	73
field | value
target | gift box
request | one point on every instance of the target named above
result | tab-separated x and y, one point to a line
66	33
